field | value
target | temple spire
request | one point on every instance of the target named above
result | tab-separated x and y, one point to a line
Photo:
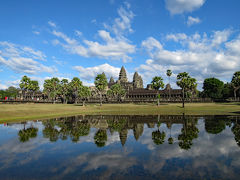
123	75
111	80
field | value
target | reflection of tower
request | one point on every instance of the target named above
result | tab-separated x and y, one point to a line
150	125
138	130
123	136
123	75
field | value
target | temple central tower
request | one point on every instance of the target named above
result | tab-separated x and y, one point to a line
123	75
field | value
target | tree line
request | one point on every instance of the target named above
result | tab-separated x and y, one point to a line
74	90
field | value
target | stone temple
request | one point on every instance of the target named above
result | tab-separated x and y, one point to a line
123	81
135	92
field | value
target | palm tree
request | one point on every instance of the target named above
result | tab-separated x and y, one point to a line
84	92
25	85
186	83
33	86
157	83
51	88
76	85
101	84
64	89
116	91
169	73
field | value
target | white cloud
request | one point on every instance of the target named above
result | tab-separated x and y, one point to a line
78	33
193	20
200	55
36	32
22	59
116	47
52	24
176	37
181	6
90	73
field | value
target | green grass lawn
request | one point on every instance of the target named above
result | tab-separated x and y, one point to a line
21	112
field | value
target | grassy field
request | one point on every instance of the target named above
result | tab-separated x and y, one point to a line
21	112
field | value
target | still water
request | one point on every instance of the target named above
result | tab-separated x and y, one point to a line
122	147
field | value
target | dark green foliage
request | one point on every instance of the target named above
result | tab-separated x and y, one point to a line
189	132
187	84
158	137
157	83
170	140
227	91
26	134
213	88
52	88
101	84
9	92
214	126
236	83
236	132
116	91
100	138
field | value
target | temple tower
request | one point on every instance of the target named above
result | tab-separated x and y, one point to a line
137	81
111	80
123	75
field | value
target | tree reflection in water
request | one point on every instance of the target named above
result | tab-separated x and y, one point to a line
74	128
188	133
25	134
100	137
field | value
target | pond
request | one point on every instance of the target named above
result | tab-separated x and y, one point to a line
122	147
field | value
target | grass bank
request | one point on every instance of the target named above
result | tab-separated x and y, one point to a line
21	112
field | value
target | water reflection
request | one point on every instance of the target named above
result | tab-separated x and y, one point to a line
122	147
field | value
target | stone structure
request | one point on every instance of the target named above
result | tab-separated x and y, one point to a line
135	91
123	81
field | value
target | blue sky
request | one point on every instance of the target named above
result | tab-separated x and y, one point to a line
43	39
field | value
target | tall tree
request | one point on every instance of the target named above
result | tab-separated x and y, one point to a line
84	92
64	89
186	83
157	83
33	87
25	83
213	87
169	74
76	84
11	92
236	83
101	84
51	87
116	91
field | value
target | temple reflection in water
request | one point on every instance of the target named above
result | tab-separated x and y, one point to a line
122	147
78	126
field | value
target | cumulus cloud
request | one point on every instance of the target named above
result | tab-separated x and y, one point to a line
23	59
181	6
114	45
193	20
200	55
90	73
